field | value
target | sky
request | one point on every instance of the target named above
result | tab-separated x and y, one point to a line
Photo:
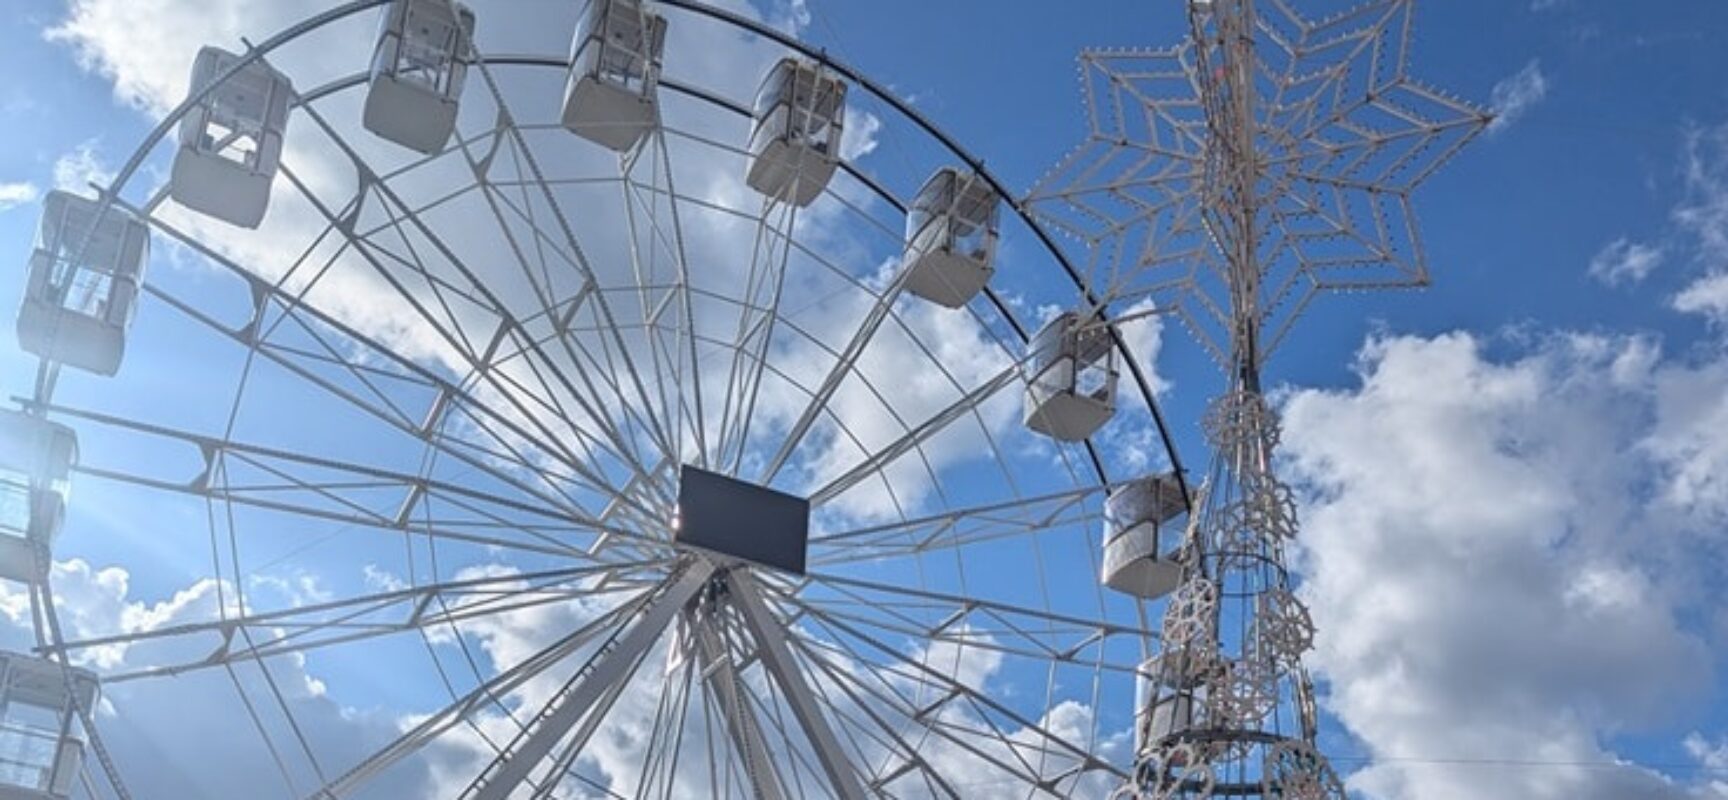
1512	483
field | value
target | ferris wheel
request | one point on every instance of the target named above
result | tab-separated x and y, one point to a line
663	406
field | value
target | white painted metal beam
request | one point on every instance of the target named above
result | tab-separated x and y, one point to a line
746	595
721	675
610	665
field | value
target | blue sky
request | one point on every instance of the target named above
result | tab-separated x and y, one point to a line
1565	376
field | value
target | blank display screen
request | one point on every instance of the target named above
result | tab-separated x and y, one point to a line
742	520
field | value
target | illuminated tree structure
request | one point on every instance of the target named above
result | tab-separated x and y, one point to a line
1231	178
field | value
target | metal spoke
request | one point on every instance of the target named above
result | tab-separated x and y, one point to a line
463	708
593	404
953	690
777	656
879	311
914	437
970	622
563	227
318	488
885	703
729	692
449	397
479	360
612	662
352	620
508	325
958	528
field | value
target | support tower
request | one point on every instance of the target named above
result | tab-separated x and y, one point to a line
1269	157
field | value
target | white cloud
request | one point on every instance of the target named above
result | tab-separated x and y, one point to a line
104	35
1143	332
218	752
1545	5
1687	440
76	170
1704	217
1704	214
859	136
1710	755
16	194
1625	261
1713	758
1494	574
791	16
1133	442
1516	95
1707	296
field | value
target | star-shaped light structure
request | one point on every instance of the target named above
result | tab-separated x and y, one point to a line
1233	178
1301	166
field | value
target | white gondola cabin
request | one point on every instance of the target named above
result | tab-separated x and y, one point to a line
231	140
1140	542
418	68
82	288
1161	714
611	96
1072	392
951	231
795	131
41	735
36	459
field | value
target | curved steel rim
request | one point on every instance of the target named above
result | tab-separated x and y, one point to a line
1141	380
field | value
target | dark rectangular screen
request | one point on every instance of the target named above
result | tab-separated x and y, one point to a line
738	519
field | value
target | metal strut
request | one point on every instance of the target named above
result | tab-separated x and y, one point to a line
721	674
746	595
44	562
609	665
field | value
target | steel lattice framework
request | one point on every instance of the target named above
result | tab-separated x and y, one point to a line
1270	138
551	332
1231	178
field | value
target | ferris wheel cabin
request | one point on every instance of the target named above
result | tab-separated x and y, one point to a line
611	96
418	68
1139	543
36	458
1072	392
231	141
1161	715
41	738
951	232
83	282
795	131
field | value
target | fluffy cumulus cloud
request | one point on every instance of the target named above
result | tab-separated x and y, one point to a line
1504	553
1513	97
1707	296
1143	332
1712	756
103	34
220	753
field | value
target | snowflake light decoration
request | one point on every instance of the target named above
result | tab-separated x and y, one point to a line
1311	189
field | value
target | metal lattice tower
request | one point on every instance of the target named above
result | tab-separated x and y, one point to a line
1232	178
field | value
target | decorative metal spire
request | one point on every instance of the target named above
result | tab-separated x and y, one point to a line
1231	178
